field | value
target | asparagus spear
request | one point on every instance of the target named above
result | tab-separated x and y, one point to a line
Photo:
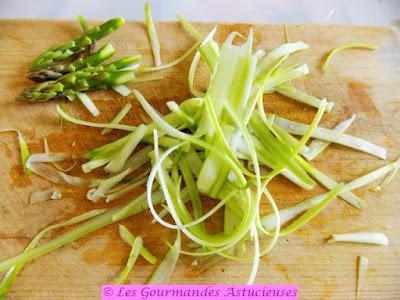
84	24
90	78
58	70
76	45
85	27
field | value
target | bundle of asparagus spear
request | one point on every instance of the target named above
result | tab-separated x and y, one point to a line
75	67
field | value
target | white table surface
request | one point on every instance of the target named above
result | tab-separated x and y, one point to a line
363	12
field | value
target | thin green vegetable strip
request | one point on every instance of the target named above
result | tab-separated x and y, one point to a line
171	64
164	271
326	64
152	35
293	93
289	213
23	147
13	271
136	248
129	238
111	216
389	177
118	117
286	31
311	213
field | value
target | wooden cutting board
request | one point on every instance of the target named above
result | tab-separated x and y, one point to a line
363	82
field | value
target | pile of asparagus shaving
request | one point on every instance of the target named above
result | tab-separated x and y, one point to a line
220	144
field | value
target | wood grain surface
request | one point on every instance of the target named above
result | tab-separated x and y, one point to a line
363	82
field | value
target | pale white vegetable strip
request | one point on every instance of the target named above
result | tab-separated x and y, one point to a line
348	196
174	107
311	128
122	89
47	157
362	271
119	160
291	92
161	214
131	68
286	32
96	194
164	271
389	177
119	193
57	166
36	164
329	183
56	176
191	74
331	136
195	162
285	76
259	54
118	117
288	213
285	172
376	238
152	35
317	146
40	196
201	41
139	159
94	164
291	140
88	103
277	53
256	259
71	119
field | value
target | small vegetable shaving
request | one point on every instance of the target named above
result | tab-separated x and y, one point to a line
326	67
376	238
45	195
129	238
388	178
23	147
362	271
136	247
118	117
164	271
152	35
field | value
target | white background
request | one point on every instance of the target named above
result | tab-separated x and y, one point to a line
368	12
